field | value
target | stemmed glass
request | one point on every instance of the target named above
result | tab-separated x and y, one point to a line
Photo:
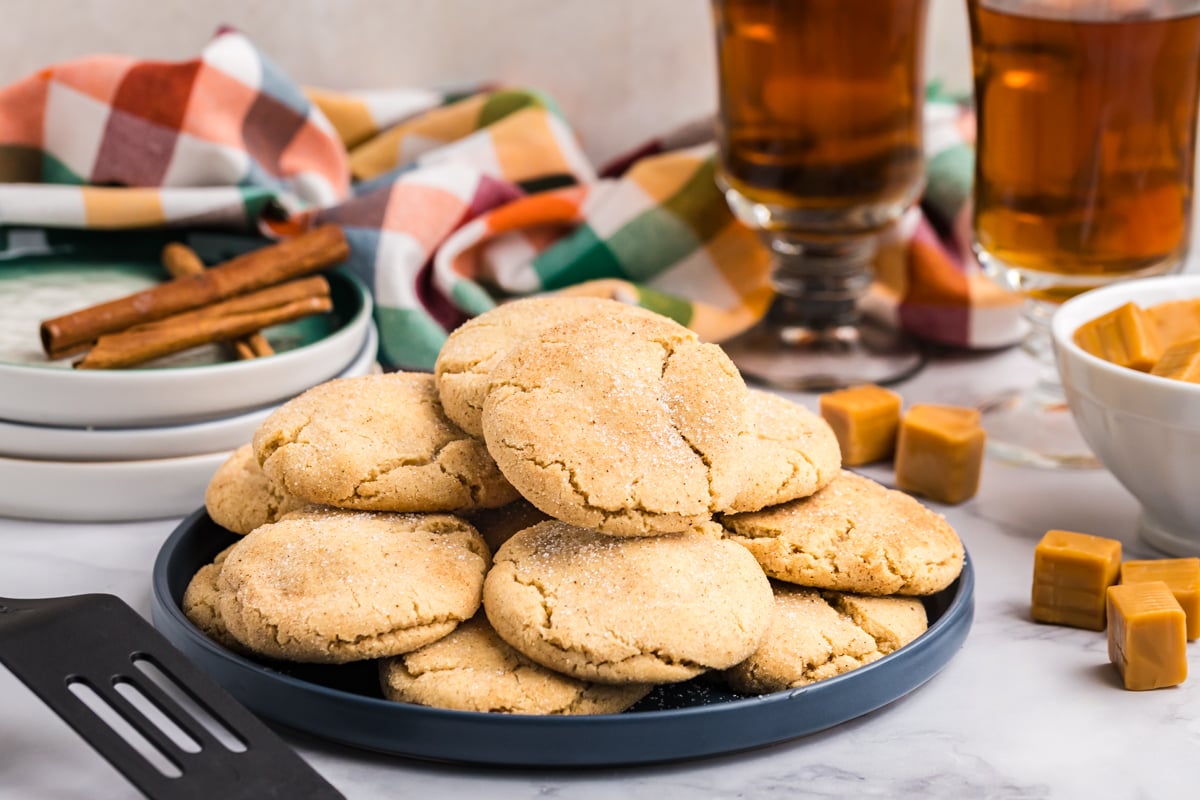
1084	161
820	136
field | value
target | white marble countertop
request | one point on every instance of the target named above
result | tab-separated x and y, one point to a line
1023	710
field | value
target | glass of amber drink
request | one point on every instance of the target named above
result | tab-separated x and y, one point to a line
820	138
1084	171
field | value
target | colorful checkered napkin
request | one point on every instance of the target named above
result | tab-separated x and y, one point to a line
451	203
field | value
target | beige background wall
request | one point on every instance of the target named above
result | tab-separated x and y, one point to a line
622	69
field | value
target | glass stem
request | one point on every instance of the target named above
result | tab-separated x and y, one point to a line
819	284
1039	344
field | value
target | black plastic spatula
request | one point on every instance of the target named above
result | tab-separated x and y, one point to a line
159	720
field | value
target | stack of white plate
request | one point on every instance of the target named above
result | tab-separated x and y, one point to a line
107	445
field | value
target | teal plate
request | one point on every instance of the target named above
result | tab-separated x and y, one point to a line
681	721
193	386
35	288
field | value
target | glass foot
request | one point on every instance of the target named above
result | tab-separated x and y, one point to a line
804	359
1029	428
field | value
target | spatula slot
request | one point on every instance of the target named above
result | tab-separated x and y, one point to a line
189	704
156	716
115	720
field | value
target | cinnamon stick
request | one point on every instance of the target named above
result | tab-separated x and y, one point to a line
270	297
302	255
179	260
132	347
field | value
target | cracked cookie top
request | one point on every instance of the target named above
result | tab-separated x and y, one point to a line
331	586
854	535
624	424
378	443
473	669
469	355
610	609
789	453
815	635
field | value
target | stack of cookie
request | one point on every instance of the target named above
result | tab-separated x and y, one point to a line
583	502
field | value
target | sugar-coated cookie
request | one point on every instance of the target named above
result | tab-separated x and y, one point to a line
815	635
622	424
328	585
790	452
201	603
240	496
611	609
378	443
854	535
464	364
473	669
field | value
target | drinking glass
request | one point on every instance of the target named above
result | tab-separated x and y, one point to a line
1083	176
820	138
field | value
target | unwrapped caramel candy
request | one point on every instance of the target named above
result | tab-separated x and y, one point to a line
1177	321
1071	573
1146	635
1182	577
865	420
1180	362
1126	336
939	452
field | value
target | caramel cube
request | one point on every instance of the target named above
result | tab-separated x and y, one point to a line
1180	362
1177	320
939	452
1146	638
1126	336
1182	577
865	420
1071	573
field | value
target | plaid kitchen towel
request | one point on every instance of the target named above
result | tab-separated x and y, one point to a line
451	202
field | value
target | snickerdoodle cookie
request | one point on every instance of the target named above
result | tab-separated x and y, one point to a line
473	669
240	496
790	453
469	355
330	586
853	536
377	443
814	636
201	603
624	424
611	609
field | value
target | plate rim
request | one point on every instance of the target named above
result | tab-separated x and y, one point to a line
948	632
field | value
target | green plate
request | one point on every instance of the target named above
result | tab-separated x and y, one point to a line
35	288
193	386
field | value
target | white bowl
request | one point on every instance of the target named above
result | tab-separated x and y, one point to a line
49	394
44	442
1145	429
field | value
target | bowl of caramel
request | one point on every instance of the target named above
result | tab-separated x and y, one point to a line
1129	359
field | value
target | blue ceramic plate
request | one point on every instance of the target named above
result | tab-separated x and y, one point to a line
682	721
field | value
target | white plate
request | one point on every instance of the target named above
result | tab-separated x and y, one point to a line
105	491
123	444
50	393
